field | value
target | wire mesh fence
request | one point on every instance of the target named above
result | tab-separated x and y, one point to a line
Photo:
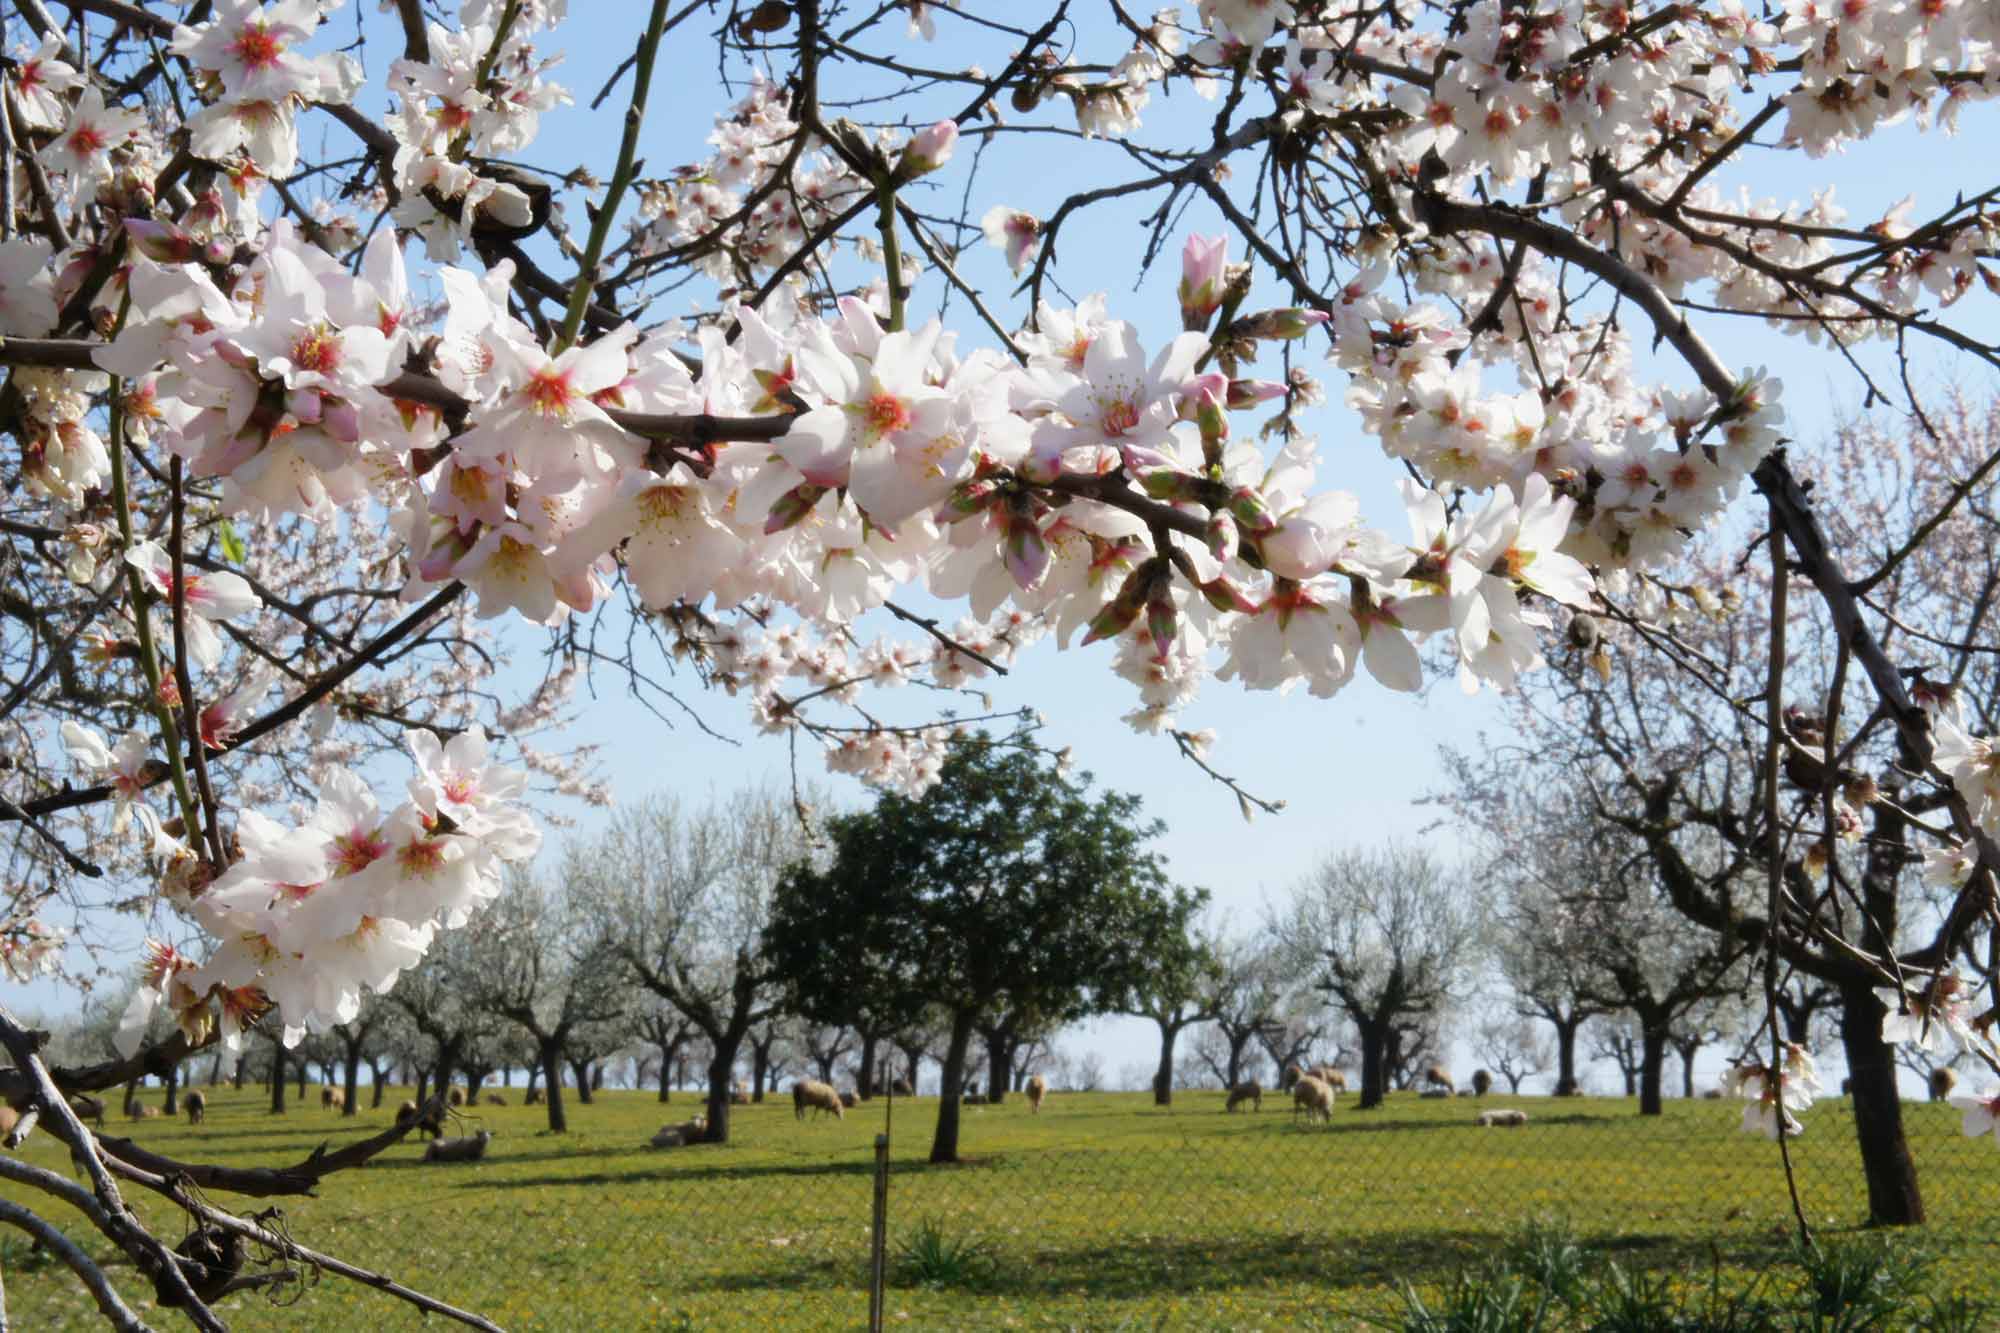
1101	1210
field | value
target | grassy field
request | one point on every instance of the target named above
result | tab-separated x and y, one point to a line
1103	1212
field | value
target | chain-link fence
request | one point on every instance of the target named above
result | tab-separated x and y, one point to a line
1100	1211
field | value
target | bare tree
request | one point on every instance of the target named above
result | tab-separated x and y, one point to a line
1389	934
685	895
1508	1044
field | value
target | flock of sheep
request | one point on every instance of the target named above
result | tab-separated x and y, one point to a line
1313	1091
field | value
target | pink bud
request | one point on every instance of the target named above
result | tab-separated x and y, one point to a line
928	149
1248	393
1203	260
1287	323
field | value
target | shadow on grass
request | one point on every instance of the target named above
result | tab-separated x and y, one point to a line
1154	1266
654	1172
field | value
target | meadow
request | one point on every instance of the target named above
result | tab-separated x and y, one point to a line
1102	1212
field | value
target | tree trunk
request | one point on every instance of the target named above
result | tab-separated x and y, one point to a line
1652	1062
999	1070
580	1069
913	1060
720	1068
1566	1030
1374	1065
423	1085
172	1107
549	1056
351	1082
379	1076
215	1070
304	1070
760	1069
864	1074
1894	1198
1163	1077
1687	1050
666	1073
277	1078
1236	1046
944	1144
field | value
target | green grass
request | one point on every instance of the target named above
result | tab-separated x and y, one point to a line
1102	1212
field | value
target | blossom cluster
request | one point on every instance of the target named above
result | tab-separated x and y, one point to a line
1774	1091
313	914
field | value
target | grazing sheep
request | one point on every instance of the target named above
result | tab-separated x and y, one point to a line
456	1097
494	1099
1482	1083
739	1093
1313	1097
332	1099
677	1136
88	1108
1712	1095
1251	1091
9	1117
1501	1119
409	1113
1440	1077
406	1114
138	1110
817	1095
1293	1073
1038	1088
533	1097
197	1107
1332	1077
901	1088
458	1150
1942	1082
850	1100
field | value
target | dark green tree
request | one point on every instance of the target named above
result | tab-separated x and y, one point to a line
1180	986
1005	887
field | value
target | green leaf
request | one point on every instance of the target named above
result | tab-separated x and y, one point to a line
233	549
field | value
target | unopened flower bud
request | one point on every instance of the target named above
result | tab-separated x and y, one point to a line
1204	262
1290	322
1248	393
928	149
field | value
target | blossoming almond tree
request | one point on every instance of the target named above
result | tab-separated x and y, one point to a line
1478	212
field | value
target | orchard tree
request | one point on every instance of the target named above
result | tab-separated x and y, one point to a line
1391	936
1180	987
1006	888
1507	1043
539	961
1250	994
682	897
326	369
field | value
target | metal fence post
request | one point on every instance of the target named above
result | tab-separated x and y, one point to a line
878	1240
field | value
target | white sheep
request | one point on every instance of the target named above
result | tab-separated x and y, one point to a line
675	1136
817	1095
458	1150
1332	1077
1501	1119
1313	1097
1249	1091
1440	1077
1038	1088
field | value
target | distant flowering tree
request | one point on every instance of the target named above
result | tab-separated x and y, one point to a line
316	370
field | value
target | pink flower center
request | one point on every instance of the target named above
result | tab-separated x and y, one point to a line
1120	416
549	392
257	47
317	350
354	852
86	139
460	790
885	412
421	858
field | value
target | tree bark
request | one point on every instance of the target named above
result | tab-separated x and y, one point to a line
760	1069
666	1075
944	1143
999	1069
1566	1030
720	1067
1374	1064
581	1070
351	1081
1687	1050
172	1106
1652	1062
1894	1198
379	1076
277	1078
549	1055
1163	1077
864	1074
304	1071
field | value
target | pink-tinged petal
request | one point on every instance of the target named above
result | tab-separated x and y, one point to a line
1025	552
